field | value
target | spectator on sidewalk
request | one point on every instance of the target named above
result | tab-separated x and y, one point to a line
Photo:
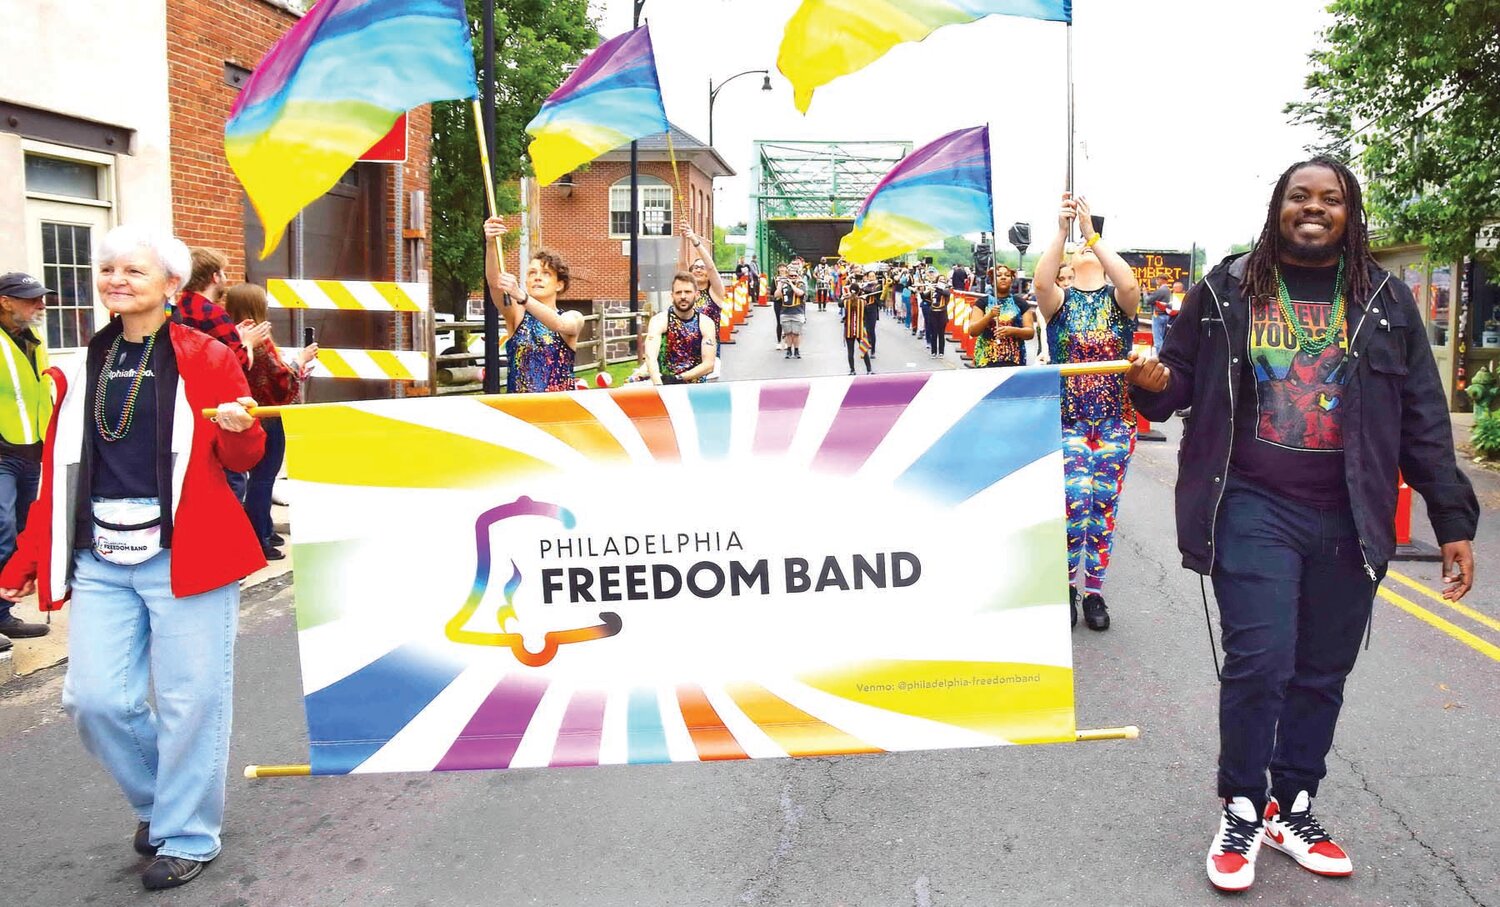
199	308
273	382
151	551
25	408
1160	300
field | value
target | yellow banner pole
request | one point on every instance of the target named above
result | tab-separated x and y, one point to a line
1115	367
253	772
1129	732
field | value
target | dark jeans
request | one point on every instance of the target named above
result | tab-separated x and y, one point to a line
236	482
851	345
1294	600
937	328
262	478
18	484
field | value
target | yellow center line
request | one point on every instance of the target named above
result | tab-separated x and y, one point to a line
1436	596
1427	617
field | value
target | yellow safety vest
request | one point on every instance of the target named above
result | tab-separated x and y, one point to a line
25	404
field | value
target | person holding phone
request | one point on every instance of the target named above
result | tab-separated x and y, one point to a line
1092	321
273	382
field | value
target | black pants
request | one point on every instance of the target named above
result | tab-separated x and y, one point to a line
937	330
851	344
872	318
776	311
1294	600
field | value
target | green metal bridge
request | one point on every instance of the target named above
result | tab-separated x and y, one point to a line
803	195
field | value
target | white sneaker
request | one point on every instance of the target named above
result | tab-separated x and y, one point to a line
1231	857
1299	835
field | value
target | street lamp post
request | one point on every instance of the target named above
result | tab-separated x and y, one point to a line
713	94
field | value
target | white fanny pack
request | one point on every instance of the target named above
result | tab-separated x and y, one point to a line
127	532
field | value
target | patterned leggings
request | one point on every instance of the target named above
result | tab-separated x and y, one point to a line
1095	455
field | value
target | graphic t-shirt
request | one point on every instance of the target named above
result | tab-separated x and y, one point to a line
127	468
1288	428
791	303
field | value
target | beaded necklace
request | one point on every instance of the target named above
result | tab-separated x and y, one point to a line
1313	346
113	356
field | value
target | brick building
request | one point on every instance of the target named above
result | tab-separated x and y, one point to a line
584	217
86	144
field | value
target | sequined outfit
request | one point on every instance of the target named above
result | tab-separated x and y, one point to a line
540	360
707	306
991	351
682	345
1098	425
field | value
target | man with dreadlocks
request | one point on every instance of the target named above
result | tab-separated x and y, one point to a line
1311	384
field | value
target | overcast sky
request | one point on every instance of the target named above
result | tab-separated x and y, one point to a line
1179	125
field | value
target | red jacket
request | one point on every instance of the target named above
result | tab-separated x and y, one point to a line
210	537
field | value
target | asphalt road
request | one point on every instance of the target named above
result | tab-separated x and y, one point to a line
1412	789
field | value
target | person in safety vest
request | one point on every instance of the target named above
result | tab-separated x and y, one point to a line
25	407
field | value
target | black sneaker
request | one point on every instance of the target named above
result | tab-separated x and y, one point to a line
169	872
276	539
143	845
797	353
788	352
1073	604
271	553
16	628
1095	614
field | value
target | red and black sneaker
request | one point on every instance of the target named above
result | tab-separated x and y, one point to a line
1299	835
1231	857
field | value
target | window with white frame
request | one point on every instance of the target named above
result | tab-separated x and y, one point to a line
655	208
69	202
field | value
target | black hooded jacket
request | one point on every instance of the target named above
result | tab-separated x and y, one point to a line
1395	414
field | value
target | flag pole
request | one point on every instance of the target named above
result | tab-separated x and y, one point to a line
489	184
1070	107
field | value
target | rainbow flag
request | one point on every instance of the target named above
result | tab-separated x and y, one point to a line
332	87
612	98
940	190
826	39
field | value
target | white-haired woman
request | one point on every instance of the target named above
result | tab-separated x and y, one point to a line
135	521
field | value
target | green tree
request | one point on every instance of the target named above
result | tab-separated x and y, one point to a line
536	41
726	256
1422	78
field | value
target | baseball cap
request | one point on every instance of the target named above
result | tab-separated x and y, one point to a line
22	286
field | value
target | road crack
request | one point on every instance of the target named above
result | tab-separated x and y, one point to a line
1396	814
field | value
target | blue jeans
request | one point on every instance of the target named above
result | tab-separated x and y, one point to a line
263	480
18	484
127	629
1294	600
237	482
1159	325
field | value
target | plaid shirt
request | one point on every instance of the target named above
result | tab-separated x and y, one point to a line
272	381
196	311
